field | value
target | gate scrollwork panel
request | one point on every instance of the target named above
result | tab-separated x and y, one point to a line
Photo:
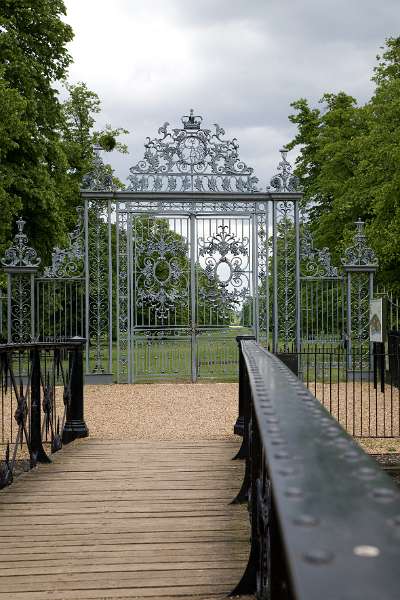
160	313
224	295
161	273
223	275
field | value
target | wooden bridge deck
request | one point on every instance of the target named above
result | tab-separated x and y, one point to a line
128	519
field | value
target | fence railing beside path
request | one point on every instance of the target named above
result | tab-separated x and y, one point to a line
41	402
361	388
325	519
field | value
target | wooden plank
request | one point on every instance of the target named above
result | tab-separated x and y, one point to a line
41	572
145	507
198	555
189	546
130	519
134	495
79	517
205	592
126	540
120	526
135	580
191	483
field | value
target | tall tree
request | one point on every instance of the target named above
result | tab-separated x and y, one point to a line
78	136
12	133
33	54
348	164
46	146
379	173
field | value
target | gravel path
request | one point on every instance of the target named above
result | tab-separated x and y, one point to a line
168	411
172	411
164	411
365	412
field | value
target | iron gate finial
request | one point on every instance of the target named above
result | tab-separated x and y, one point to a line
19	254
359	253
284	180
192	159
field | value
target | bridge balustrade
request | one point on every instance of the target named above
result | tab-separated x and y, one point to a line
41	402
325	519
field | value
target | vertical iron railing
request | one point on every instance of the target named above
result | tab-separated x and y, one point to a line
361	390
41	402
324	516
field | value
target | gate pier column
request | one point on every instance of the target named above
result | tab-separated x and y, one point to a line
360	264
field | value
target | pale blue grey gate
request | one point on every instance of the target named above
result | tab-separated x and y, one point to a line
186	286
161	277
191	255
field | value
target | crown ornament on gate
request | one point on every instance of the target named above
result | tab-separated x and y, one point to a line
359	254
20	255
284	180
192	121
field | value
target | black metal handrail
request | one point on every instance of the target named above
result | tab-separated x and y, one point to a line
41	385
66	344
325	519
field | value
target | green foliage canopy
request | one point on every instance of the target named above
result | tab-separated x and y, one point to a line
78	137
46	146
33	54
349	165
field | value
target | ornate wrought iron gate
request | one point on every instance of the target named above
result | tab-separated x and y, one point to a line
322	296
195	261
161	277
190	282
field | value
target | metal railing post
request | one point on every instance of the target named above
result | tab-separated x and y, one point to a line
248	583
36	445
244	451
239	427
75	426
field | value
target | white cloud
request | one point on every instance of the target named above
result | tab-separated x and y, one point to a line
239	63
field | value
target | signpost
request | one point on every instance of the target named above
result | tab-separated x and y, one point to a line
377	335
377	320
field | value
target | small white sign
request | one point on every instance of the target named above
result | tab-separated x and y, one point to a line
377	320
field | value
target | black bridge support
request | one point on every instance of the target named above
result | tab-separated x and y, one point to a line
239	426
37	451
75	426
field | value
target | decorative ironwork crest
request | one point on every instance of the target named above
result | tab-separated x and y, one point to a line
317	262
20	254
68	262
284	180
98	179
359	254
192	159
225	275
223	243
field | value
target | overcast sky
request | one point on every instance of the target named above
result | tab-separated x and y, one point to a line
239	63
